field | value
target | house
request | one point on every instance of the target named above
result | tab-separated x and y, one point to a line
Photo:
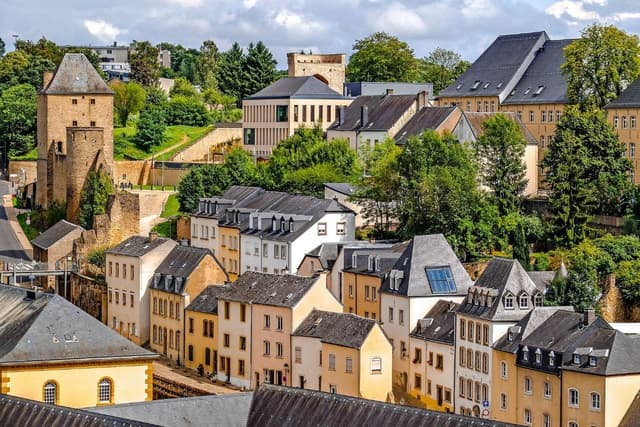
257	314
53	247
372	119
183	274
433	358
129	269
342	192
439	119
275	112
342	353
51	351
501	297
427	271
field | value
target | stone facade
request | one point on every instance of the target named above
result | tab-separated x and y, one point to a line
90	295
121	221
329	68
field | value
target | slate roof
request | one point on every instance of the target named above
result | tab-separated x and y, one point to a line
268	289
387	256
632	416
174	271
384	111
475	121
326	253
340	187
629	98
297	87
212	206
425	251
276	406
19	412
54	234
49	328
543	72
76	74
542	279
223	410
207	300
501	65
137	246
425	118
438	324
343	329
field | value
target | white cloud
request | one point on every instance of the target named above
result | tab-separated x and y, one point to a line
623	16
102	30
475	9
248	4
296	23
573	9
398	20
185	3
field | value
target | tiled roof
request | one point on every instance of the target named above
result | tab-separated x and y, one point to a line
50	329
297	87
174	271
19	412
275	406
268	289
76	74
137	246
343	329
629	98
438	324
207	300
383	112
425	118
55	233
475	121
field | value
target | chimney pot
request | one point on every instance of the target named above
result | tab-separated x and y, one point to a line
589	316
153	235
389	91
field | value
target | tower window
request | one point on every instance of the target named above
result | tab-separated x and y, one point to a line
74	123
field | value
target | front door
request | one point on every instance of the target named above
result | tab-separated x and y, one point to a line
228	368
215	361
301	381
439	395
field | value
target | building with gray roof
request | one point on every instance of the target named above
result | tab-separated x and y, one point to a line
343	329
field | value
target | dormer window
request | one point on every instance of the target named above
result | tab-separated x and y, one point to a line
237	217
470	297
539	91
282	222
370	263
592	361
538	300
273	224
397	280
552	359
376	263
354	260
526	92
489	300
523	301
508	302
459	86
499	85
290	225
476	298
576	359
525	353
510	336
476	85
538	356
486	85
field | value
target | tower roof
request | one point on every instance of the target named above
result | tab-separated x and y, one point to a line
76	74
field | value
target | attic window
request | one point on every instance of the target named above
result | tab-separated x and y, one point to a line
513	92
459	86
552	358
499	85
354	260
282	222
539	91
476	85
290	225
525	353
576	359
486	85
526	92
441	280
508	302
592	361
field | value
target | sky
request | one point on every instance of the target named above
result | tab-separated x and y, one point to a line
322	26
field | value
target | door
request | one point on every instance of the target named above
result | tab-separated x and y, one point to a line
279	377
164	341
257	379
227	365
439	395
215	361
301	381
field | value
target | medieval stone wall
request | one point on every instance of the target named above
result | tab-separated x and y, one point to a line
329	68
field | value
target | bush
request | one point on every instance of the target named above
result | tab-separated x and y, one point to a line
187	111
98	257
151	127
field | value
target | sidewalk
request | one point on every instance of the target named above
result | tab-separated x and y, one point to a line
166	368
12	217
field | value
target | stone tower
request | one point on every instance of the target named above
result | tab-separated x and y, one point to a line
329	68
75	132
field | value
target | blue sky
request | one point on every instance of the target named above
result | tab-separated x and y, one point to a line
329	26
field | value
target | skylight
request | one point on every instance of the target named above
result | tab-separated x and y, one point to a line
476	84
539	91
486	85
441	280
459	86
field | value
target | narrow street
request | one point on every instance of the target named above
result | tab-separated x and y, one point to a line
10	249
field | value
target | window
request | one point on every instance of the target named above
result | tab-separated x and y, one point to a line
50	393
226	339
131	299
190	353
92	123
322	229
470	326
265	250
558	115
243	343
461	356
350	291
624	122
439	362
478	361
349	365
417	356
340	228
417	382
541	141
632	149
633	122
74	101
332	389
92	101
332	362
267	321
576	358
552	359
538	356
525	353
155	333
531	116
205	328
462	328
295	113
276	251
390	314
279	349
574	398
376	365
524	301
478	333
508	302
283	251
282	113
485	392
105	391
527	385
118	298
527	417
550	116
441	280
538	300
279	323
504	372
485	363
266	347
249	136
503	401
573	424
616	122
595	401
547	390
401	317
469	358
477	390
367	294
592	361
298	354
485	334
241	368
226	310
543	116
111	300
304	113
461	387
546	420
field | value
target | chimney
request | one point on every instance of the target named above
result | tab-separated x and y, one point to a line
364	116
153	235
421	98
184	242
589	316
46	79
341	113
31	295
389	91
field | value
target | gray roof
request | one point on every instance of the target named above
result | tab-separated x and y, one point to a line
383	112
629	98
542	279
475	121
632	416
297	87
326	253
341	187
76	75
174	271
207	300
224	410
55	233
268	289
386	255
19	412
275	406
212	206
499	67
433	251
425	118
438	324
137	246
544	72
343	329
49	328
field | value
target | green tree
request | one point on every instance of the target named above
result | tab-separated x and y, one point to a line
187	112
586	171
240	167
259	69
628	281
17	120
128	99
156	96
151	127
382	58
190	190
19	67
310	181
600	65
207	64
442	67
95	194
231	72
2	48
143	60
182	87
500	151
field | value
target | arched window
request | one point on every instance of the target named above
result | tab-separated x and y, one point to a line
50	392
485	363
508	301
504	373
207	356
574	398
105	391
178	340
523	301
595	401
538	300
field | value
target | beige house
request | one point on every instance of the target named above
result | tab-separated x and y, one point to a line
184	273
129	270
275	112
342	353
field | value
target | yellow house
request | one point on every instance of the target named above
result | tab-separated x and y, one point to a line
52	352
342	353
184	273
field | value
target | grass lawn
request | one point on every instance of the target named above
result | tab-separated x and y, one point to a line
167	229
31	155
171	207
176	138
29	230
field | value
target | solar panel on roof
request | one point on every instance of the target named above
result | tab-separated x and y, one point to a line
441	280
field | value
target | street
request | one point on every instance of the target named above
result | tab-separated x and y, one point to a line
10	249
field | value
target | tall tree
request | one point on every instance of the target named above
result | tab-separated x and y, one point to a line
19	67
231	71
143	60
382	58
93	200
600	65
17	120
128	99
586	170
442	67
260	69
207	64
151	127
500	151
